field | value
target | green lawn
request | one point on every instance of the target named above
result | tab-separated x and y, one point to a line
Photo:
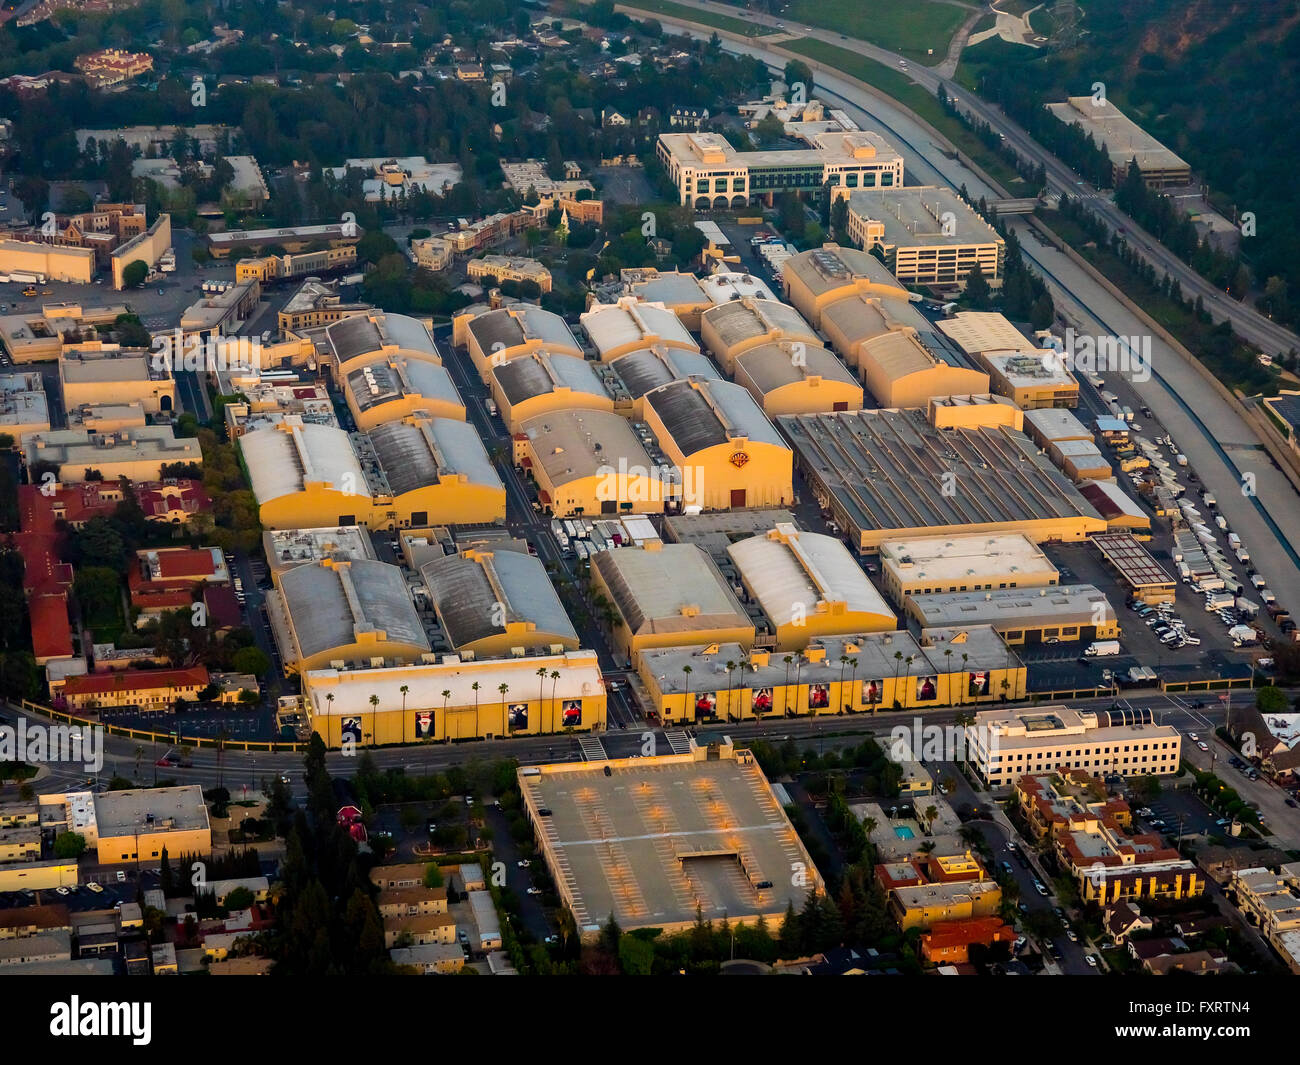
911	28
899	86
705	18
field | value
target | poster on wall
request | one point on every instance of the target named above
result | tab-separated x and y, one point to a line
927	688
424	724
819	696
571	713
518	716
706	704
873	691
762	700
350	729
979	682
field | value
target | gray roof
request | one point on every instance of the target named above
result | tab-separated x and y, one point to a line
772	366
428	379
353	336
652	588
466	591
519	323
828	268
538	374
742	320
648	368
418	454
331	605
695	423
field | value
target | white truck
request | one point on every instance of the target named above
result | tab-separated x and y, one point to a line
1234	541
28	276
1102	648
1242	554
1218	601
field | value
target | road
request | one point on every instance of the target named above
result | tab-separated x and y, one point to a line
1220	445
1248	322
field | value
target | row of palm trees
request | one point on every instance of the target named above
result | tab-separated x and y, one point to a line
502	688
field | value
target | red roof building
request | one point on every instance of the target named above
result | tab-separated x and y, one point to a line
949	942
51	626
147	688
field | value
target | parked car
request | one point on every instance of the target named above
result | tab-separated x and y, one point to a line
1091	959
98	889
523	863
534	891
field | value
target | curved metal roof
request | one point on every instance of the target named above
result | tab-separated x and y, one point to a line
541	372
747	319
676	588
332	605
466	591
648	368
281	458
772	366
572	444
410	462
698	414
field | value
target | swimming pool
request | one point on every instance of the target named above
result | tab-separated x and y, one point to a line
903	832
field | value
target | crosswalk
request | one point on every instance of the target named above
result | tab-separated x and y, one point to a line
592	749
678	741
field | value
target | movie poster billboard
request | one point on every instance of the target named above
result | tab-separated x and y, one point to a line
873	692
517	716
819	696
571	713
424	724
927	688
978	682
763	701
350	730
706	704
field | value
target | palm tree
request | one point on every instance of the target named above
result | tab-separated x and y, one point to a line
798	674
931	812
686	705
374	720
898	665
844	661
404	689
788	659
329	700
869	825
503	687
222	736
541	693
853	679
910	659
446	694
731	668
947	665
961	688
474	686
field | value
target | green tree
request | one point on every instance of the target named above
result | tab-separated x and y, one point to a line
69	845
134	274
251	660
1271	700
635	956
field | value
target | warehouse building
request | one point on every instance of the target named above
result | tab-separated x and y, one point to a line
680	293
865	673
394	387
24	409
808	586
592	462
287	549
1125	142
1080	460
89	377
928	235
305	476
1047	426
135	825
934	565
718	436
638	372
137	453
1004	745
787	377
666	841
344	612
455	699
494	337
735	327
431	471
668	595
359	339
974	412
858	323
885	475
907	369
726	285
1019	369
1144	577
1121	512
293	239
540	383
813	280
498	604
626	326
1068	613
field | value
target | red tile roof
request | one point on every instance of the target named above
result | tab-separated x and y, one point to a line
136	680
185	562
51	626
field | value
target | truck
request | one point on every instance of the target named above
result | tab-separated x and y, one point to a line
1242	554
1181	459
29	276
1218	601
1234	541
1127	413
1102	648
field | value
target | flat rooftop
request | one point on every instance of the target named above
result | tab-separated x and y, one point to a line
914	215
943	558
181	809
1121	137
1015	607
654	841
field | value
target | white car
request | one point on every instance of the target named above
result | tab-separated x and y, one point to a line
1091	959
523	863
1193	736
96	888
534	891
62	891
1203	745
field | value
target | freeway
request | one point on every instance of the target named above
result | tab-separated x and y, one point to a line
1249	323
1220	445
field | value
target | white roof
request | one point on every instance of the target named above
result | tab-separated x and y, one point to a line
630	322
790	572
283	458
